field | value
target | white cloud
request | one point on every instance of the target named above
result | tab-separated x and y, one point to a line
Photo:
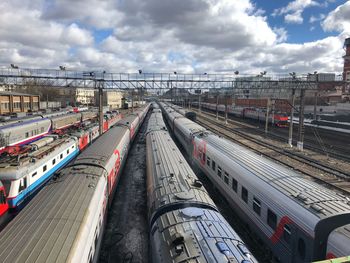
314	19
294	18
293	11
338	19
162	36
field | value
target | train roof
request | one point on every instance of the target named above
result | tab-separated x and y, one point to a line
46	229
156	122
102	148
23	123
200	234
315	198
15	167
175	182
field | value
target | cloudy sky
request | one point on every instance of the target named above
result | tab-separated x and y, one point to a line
175	35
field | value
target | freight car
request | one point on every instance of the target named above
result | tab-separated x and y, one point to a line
65	221
298	220
185	225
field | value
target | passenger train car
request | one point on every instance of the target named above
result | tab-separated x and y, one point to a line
65	221
185	225
298	220
25	173
23	132
278	119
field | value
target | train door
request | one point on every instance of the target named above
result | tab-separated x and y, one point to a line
302	247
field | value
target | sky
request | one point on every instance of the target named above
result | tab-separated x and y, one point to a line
186	36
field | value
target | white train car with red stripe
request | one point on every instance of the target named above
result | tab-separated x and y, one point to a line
297	219
69	213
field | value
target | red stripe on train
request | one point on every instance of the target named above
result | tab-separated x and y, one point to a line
280	228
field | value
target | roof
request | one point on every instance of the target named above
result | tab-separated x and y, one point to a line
47	228
312	196
16	94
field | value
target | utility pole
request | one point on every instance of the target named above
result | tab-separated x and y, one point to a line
199	101
217	105
300	143
100	106
267	115
226	97
315	106
132	100
290	137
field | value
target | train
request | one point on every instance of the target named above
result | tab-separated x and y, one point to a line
298	220
279	119
65	221
185	225
23	174
23	132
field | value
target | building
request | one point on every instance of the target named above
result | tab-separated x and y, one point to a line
84	96
111	99
13	102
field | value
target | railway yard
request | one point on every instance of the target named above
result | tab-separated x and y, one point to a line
159	187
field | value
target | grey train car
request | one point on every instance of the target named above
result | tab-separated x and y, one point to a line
299	220
185	225
65	221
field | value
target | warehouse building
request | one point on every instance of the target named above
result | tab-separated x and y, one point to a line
13	102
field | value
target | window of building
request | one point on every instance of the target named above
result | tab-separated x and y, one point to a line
226	180
208	161
219	171
244	194
271	219
213	165
256	206
44	168
287	233
234	184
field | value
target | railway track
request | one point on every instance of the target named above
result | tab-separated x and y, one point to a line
330	150
321	172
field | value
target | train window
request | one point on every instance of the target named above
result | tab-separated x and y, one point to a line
226	178
301	248
219	171
53	161
271	219
73	147
244	194
213	165
44	168
208	161
22	184
42	129
61	155
256	205
286	233
68	151
34	174
234	184
27	134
